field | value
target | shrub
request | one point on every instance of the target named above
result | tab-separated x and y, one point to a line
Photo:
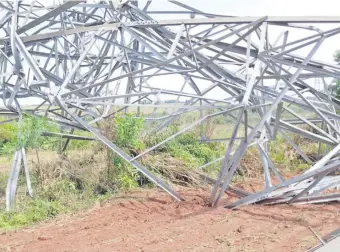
127	130
26	134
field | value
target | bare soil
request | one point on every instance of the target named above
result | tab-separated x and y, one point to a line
150	220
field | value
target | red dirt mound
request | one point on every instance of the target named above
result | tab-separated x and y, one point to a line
152	221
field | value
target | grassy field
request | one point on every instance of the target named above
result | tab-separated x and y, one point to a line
88	172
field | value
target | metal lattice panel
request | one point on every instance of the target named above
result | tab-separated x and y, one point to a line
79	59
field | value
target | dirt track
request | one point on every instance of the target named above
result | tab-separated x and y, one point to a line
152	221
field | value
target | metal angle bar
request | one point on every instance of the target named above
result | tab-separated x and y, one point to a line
98	61
17	62
219	159
137	36
302	76
241	88
68	136
237	20
319	199
223	171
31	62
321	189
76	104
277	119
10	182
264	194
190	45
305	133
304	191
185	129
271	164
29	11
112	97
312	125
321	98
123	108
52	14
297	148
286	51
329	237
309	199
296	102
323	161
15	90
231	167
160	74
157	23
267	178
15	177
211	162
174	44
257	68
27	174
238	192
211	140
255	25
242	147
318	35
304	67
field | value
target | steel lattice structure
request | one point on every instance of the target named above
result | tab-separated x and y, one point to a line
78	58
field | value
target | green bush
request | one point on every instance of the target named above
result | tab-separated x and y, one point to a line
127	130
186	147
126	135
26	134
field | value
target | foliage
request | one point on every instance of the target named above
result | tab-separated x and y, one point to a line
124	176
57	197
26	134
67	189
186	147
285	156
127	130
336	88
336	56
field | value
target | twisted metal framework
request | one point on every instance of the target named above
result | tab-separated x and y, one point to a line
80	59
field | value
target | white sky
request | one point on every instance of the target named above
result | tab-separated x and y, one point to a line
261	7
265	8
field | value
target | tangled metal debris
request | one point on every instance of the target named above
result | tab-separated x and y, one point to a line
80	58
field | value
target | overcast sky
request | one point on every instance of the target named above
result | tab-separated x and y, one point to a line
262	7
265	8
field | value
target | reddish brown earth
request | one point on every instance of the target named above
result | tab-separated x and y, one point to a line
152	221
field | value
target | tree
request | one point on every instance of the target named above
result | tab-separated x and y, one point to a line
336	56
336	88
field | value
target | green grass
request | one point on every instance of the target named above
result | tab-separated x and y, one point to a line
35	211
58	196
